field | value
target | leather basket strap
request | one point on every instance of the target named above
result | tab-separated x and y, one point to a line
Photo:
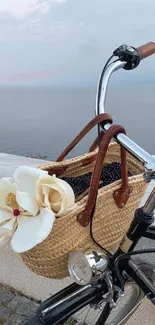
95	143
121	196
106	118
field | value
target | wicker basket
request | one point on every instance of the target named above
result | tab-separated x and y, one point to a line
109	222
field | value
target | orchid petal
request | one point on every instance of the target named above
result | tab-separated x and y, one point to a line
51	198
61	203
45	179
7	231
32	231
26	202
7	227
5	240
25	179
6	187
58	196
46	191
56	207
4	216
67	189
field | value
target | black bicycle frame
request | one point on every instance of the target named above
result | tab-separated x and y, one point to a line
150	233
57	309
139	228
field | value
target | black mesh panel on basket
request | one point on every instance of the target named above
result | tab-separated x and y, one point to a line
109	174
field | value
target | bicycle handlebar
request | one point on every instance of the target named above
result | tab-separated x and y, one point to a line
148	160
146	50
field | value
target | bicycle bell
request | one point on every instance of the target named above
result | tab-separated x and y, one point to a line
83	266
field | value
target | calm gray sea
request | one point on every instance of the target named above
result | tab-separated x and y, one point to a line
43	121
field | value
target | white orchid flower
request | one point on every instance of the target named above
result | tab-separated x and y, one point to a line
23	220
28	204
58	194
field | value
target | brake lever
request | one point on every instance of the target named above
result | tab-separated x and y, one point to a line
130	55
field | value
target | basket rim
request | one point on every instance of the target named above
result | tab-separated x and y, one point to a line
80	158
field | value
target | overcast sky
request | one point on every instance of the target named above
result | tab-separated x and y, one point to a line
66	42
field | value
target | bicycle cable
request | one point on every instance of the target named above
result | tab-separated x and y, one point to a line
92	236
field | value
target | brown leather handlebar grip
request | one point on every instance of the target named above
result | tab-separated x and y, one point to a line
146	50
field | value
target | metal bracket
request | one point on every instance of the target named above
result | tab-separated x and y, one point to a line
110	297
149	175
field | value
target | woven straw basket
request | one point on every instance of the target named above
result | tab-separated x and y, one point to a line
109	222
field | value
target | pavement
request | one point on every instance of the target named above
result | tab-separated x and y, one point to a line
14	307
145	315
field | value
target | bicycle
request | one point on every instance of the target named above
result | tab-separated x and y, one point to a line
108	288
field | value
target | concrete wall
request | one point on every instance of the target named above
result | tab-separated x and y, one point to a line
12	270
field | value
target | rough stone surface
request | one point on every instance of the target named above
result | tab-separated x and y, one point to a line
144	315
15	308
5	313
5	297
19	308
22	306
15	320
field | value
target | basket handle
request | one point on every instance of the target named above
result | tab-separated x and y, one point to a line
95	143
121	196
95	121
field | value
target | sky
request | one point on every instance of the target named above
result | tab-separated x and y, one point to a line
66	42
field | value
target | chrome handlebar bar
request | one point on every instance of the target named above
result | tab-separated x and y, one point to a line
125	141
104	80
